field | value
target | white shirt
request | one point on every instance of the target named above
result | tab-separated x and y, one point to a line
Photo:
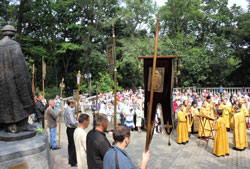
102	109
80	136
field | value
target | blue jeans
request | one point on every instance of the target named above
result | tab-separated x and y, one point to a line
122	120
52	138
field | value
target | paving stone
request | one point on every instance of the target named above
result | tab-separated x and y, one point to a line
173	157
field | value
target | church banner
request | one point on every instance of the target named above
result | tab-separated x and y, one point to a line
163	87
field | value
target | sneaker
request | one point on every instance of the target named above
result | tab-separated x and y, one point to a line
56	148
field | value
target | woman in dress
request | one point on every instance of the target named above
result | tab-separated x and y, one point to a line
129	116
139	115
110	114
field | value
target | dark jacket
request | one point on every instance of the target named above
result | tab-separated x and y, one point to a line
40	108
97	146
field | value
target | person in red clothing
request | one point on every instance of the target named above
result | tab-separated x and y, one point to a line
131	92
175	106
35	99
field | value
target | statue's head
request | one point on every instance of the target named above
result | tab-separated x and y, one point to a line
9	30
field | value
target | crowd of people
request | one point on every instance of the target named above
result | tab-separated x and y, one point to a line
93	150
129	109
203	113
207	112
129	115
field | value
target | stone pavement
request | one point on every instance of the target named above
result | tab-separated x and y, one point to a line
173	157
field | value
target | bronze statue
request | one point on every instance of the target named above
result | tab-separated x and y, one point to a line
16	97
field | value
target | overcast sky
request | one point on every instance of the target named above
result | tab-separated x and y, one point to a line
242	3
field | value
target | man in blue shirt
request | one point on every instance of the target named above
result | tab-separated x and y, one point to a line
71	124
116	157
221	89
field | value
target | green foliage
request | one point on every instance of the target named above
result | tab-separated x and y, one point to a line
50	93
72	35
106	83
84	87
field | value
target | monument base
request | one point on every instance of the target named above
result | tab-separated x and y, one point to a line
32	152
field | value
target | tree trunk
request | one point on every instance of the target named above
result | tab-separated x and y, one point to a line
55	73
20	18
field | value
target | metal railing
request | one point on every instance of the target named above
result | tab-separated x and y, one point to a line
198	90
216	90
87	102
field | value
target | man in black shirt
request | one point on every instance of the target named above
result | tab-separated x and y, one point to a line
40	109
97	143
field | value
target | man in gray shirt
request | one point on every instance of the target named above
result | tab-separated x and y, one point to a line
52	124
71	124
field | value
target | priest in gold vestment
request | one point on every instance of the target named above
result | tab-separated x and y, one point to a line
195	113
221	144
187	111
182	131
210	107
206	130
226	112
238	124
243	107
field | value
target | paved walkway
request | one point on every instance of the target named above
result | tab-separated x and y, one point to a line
173	157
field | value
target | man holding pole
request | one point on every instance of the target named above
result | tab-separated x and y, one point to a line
52	124
117	157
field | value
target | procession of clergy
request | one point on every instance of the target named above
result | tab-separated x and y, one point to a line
221	118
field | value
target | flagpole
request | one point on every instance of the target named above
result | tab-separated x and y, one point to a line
115	76
33	80
152	88
43	77
62	85
43	74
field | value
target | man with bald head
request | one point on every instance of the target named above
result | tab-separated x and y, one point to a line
52	124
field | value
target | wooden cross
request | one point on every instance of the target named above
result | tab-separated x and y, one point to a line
155	57
168	127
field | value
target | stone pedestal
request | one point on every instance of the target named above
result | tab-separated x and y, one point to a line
33	151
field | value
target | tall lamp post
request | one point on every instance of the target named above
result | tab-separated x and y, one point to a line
88	76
